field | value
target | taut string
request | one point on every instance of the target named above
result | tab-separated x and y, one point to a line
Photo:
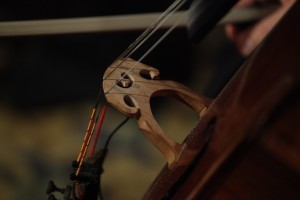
149	32
128	52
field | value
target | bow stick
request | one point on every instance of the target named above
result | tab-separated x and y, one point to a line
117	23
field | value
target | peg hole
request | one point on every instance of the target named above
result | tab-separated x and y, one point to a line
147	75
129	101
125	81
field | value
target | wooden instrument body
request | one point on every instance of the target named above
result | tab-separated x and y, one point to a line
247	146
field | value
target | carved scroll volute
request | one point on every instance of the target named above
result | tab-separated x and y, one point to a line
129	89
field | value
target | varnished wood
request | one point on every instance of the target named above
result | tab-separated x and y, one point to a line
254	148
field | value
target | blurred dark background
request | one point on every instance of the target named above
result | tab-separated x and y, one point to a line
49	84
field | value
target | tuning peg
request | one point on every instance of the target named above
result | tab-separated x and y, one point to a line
53	188
52	197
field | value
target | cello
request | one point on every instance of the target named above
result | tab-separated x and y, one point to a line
246	145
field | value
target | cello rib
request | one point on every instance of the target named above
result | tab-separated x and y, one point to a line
254	148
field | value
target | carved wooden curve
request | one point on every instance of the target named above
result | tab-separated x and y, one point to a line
129	86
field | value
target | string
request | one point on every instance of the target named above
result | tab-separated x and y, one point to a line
149	32
91	126
100	122
142	57
114	131
153	28
128	52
